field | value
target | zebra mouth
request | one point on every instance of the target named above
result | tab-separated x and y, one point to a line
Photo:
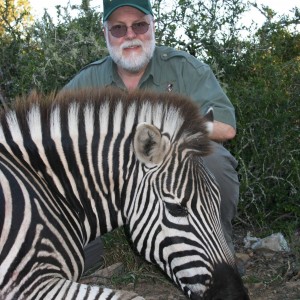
192	295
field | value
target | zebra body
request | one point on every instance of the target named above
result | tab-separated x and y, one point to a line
79	165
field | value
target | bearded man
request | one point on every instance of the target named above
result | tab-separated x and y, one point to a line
135	62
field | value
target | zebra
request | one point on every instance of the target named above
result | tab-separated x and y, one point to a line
78	164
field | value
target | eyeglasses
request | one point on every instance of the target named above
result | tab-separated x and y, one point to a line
119	31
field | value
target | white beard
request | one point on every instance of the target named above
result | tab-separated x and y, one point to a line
133	63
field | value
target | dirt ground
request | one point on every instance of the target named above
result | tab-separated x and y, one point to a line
268	276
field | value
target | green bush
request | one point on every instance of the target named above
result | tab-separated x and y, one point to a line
46	55
266	97
67	46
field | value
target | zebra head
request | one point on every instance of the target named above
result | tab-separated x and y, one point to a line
175	220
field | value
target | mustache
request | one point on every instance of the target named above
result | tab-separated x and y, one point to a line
132	43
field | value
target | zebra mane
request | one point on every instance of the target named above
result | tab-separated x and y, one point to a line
175	115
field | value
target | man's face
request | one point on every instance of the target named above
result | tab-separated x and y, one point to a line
133	51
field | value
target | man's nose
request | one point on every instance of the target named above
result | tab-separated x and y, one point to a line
130	34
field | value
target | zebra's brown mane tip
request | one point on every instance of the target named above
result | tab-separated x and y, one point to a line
193	132
23	103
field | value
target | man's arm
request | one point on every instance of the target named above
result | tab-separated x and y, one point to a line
203	87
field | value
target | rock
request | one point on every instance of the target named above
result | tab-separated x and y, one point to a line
241	260
243	257
275	242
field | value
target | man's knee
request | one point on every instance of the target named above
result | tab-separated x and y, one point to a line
223	165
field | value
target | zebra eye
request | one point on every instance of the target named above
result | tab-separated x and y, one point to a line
176	210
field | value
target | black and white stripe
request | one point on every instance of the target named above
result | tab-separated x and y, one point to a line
78	165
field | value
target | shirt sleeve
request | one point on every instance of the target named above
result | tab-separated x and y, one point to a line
94	75
203	87
80	80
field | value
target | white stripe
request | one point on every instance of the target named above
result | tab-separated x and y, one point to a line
20	238
8	217
145	113
2	137
117	118
61	236
157	114
55	131
173	122
55	288
73	121
26	258
103	121
44	284
36	132
16	133
89	120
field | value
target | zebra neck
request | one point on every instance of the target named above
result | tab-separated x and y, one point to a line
83	163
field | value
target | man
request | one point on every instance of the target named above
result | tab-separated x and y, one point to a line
135	62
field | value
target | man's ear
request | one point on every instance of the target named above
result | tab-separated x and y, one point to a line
104	29
149	145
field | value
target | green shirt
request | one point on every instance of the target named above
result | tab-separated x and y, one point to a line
169	70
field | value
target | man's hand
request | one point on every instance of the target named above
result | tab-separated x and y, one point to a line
222	132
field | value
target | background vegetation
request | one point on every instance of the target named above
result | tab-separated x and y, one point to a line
258	66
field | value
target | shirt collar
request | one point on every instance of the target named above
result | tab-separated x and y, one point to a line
115	77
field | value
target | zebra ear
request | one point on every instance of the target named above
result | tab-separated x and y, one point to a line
150	146
209	120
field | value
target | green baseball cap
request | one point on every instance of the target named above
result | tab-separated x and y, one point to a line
109	6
